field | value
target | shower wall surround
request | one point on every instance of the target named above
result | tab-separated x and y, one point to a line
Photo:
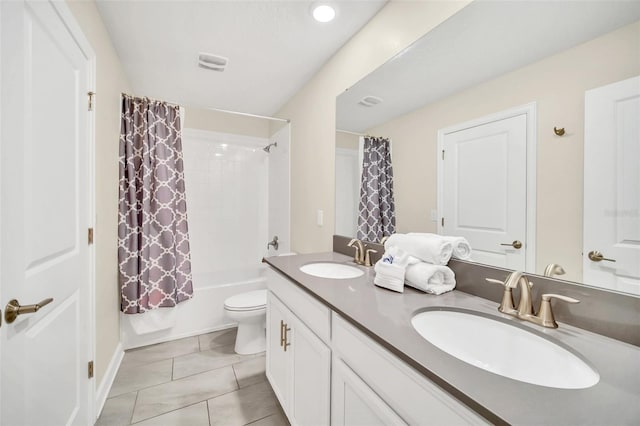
227	190
226	180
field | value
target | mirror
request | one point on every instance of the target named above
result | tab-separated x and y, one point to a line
487	58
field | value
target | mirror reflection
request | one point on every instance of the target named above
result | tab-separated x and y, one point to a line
530	101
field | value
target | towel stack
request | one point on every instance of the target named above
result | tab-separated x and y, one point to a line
419	261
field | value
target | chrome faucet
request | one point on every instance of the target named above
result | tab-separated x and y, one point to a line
525	307
359	254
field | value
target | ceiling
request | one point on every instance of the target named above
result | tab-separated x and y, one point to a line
273	47
484	40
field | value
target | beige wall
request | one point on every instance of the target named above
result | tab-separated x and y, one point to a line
312	111
347	140
110	82
557	84
216	121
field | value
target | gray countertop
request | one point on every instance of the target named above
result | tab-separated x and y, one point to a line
386	316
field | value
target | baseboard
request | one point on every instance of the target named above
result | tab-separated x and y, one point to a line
102	392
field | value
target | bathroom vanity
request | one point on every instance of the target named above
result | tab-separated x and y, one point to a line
342	351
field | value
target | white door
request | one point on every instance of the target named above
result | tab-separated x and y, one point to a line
482	184
279	185
44	178
276	358
612	186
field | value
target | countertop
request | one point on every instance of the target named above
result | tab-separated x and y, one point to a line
386	317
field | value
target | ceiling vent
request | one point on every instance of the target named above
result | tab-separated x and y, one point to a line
369	101
212	62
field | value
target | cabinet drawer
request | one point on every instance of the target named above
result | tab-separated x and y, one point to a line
416	399
313	313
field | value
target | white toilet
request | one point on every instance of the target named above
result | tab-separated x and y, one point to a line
249	311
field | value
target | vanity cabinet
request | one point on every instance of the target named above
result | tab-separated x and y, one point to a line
409	395
298	362
325	371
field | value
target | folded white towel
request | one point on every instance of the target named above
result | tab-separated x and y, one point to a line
433	279
389	276
461	247
426	248
390	269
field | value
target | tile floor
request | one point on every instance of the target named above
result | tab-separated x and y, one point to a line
194	381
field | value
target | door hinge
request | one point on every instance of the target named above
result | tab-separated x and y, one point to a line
90	104
442	221
90	369
443	154
90	236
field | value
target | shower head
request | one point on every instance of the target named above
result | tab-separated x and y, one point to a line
267	148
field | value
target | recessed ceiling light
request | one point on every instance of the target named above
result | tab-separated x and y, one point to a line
323	12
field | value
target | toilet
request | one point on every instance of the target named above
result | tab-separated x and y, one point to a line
249	311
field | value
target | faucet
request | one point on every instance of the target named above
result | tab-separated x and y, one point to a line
359	254
525	307
553	269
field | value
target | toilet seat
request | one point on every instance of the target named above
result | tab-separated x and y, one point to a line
249	301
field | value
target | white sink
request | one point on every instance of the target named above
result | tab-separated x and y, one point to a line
504	349
336	271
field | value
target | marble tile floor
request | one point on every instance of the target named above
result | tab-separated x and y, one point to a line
194	381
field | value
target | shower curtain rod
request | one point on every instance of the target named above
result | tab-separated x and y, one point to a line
246	114
367	135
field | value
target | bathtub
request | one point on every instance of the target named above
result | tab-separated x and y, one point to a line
204	313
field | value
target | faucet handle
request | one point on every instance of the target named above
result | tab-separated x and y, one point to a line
545	315
507	306
367	257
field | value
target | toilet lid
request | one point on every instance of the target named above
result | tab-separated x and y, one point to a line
247	301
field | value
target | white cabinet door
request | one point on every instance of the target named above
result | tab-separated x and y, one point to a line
45	176
311	368
298	366
612	186
276	368
484	180
353	403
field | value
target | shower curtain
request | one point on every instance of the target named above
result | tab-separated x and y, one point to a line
153	238
376	211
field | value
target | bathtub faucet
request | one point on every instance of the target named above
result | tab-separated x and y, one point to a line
273	243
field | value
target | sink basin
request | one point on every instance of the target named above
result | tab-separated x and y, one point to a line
336	271
504	349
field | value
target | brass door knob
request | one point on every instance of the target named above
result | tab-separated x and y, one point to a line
13	309
596	256
516	244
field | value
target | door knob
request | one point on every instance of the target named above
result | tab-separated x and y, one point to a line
13	309
516	244
596	256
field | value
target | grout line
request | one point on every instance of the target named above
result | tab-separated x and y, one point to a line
208	412
134	409
261	418
171	411
235	375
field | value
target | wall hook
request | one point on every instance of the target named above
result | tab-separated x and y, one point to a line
559	132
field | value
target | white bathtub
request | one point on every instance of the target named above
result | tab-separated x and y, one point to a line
202	314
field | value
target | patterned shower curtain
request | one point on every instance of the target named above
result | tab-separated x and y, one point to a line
376	212
153	238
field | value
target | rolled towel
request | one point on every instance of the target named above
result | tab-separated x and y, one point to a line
461	247
433	279
426	248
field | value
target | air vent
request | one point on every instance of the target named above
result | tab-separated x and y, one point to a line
369	101
212	62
